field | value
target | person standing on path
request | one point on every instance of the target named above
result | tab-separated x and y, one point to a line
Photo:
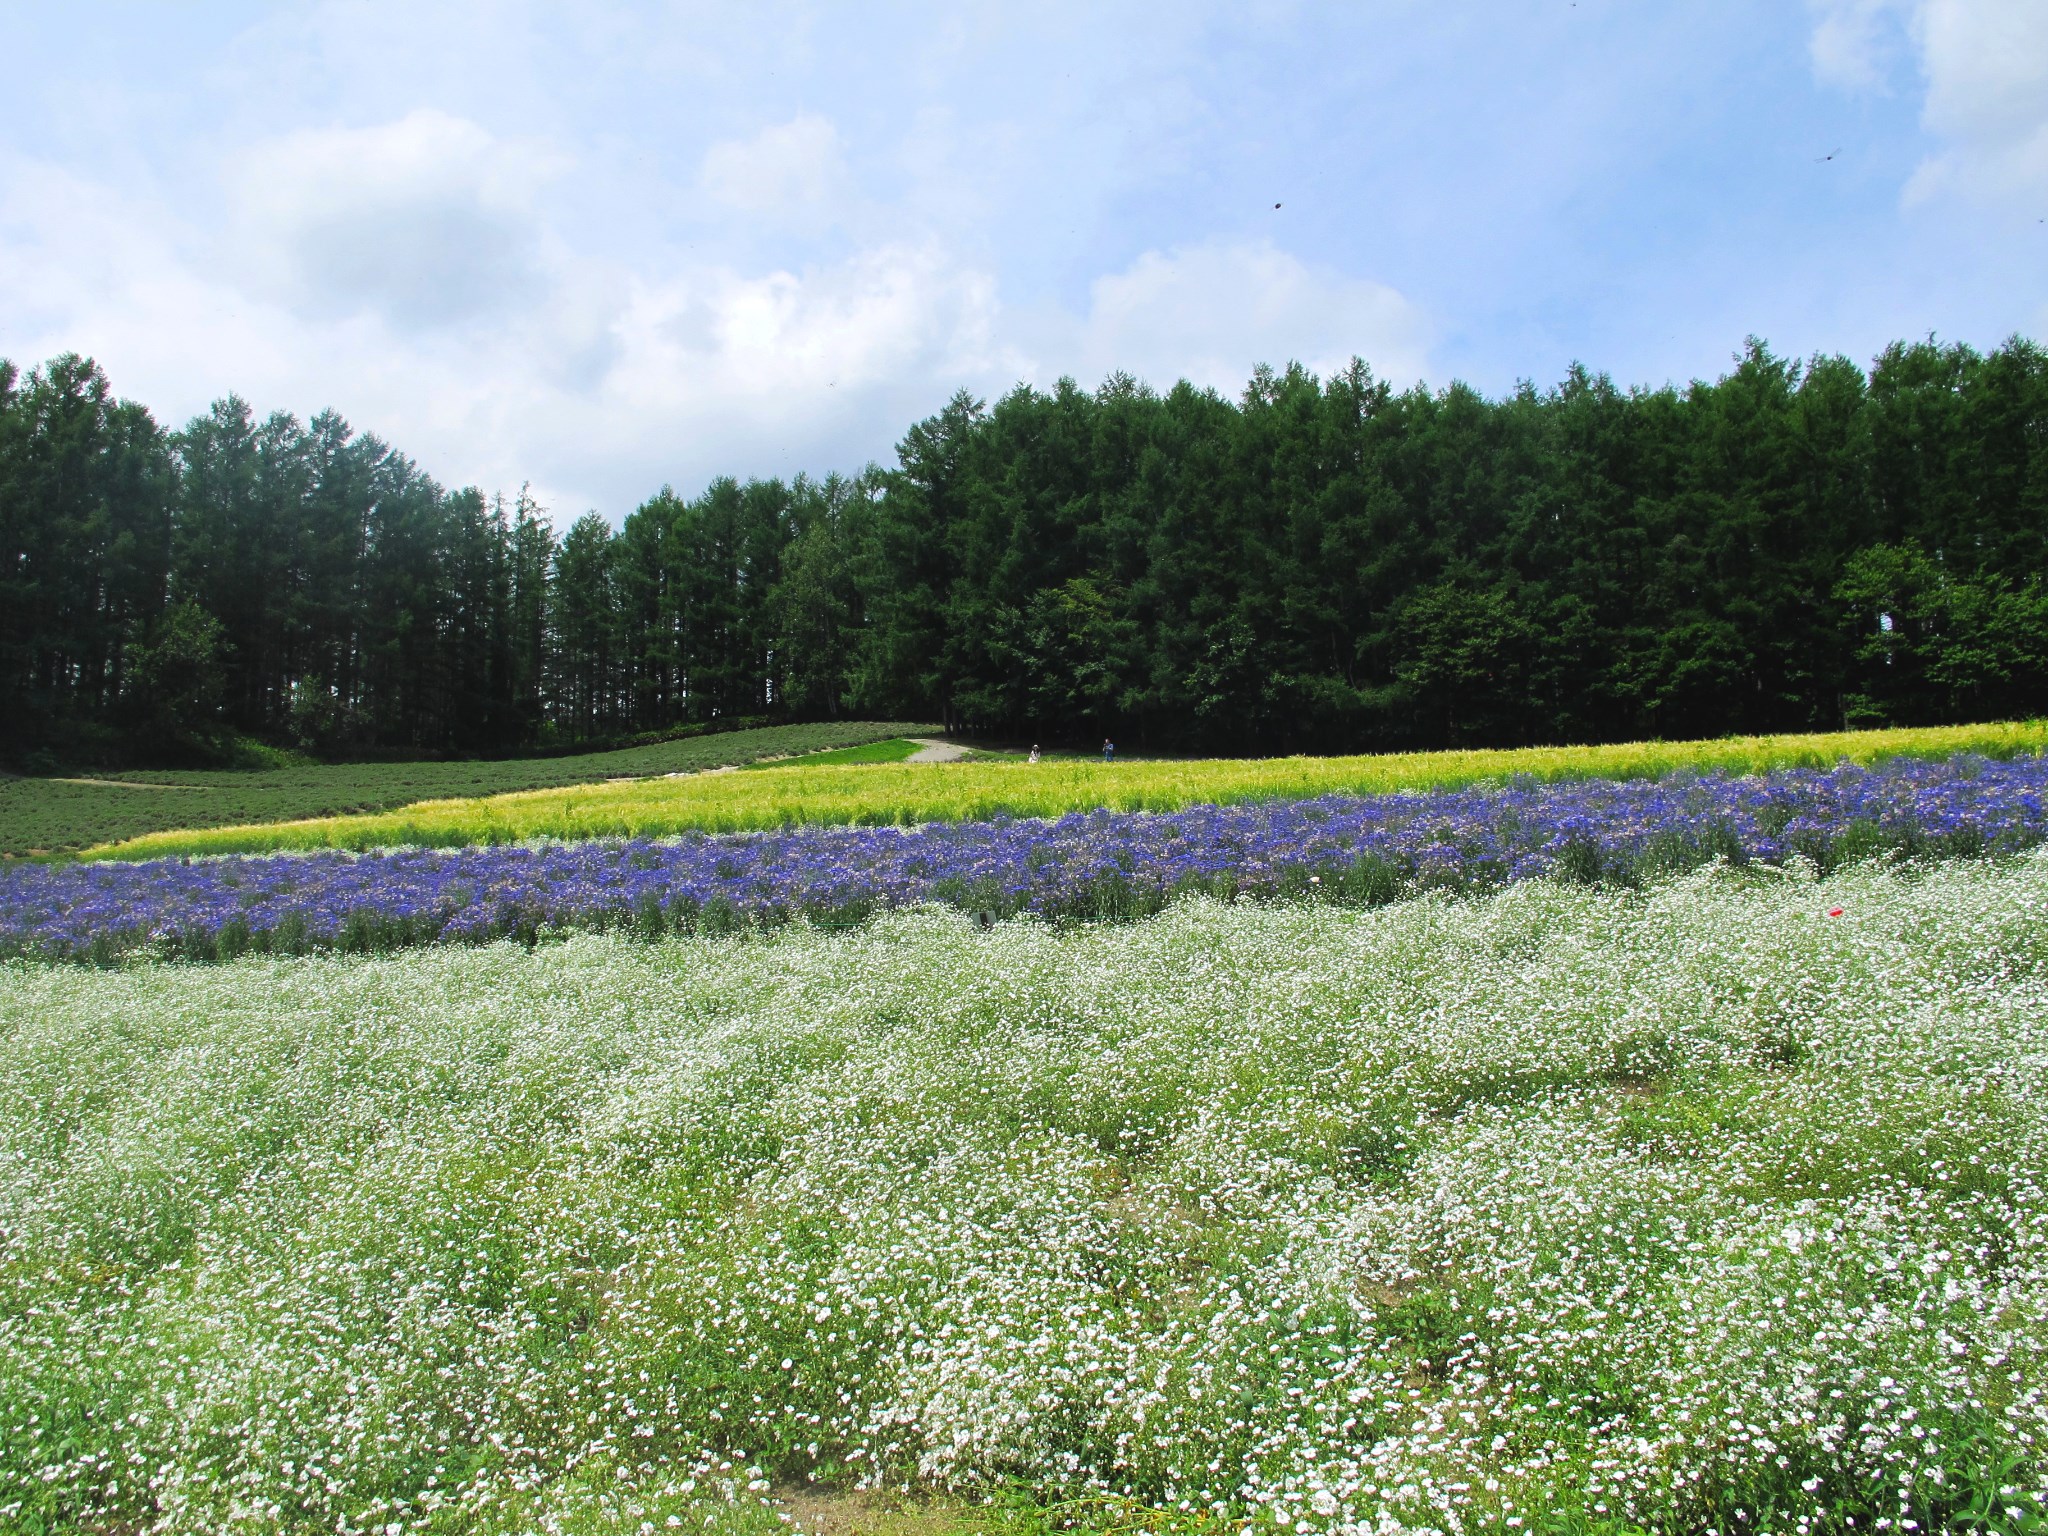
1034	752
1108	750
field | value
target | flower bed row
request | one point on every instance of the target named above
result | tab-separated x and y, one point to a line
1088	865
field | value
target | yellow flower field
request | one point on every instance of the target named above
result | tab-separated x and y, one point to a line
909	793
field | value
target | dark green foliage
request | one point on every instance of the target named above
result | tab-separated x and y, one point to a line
178	684
1320	565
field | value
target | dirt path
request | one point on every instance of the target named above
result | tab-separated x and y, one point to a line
929	751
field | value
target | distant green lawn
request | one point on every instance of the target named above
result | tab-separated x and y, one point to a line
53	815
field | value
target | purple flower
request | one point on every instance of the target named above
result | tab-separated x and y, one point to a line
1088	864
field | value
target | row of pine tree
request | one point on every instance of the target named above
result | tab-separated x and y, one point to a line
1317	565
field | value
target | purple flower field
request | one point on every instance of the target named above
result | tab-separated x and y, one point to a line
1088	865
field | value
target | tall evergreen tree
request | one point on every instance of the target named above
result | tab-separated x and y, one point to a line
1318	564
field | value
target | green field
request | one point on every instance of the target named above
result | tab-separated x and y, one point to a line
1588	1210
51	815
908	793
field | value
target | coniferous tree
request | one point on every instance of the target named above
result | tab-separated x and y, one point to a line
1319	564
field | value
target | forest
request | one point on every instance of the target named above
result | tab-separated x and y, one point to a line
1318	565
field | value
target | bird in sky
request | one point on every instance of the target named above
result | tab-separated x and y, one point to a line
1823	160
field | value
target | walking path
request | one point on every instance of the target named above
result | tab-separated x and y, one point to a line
929	751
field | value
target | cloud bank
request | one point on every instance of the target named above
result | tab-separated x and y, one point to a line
416	261
623	245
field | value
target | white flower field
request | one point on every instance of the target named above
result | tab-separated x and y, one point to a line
1564	1209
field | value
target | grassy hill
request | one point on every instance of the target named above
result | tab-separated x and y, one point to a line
48	815
903	793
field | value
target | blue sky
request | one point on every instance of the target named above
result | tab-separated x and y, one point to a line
601	248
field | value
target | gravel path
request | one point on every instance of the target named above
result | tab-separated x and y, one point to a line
929	751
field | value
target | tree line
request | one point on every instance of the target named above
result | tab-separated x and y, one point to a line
1319	564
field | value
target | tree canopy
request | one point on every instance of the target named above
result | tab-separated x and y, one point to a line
1320	564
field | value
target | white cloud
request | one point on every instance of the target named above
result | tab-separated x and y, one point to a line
788	172
1856	42
600	384
606	380
91	270
1212	312
1985	66
425	220
882	314
428	278
1986	63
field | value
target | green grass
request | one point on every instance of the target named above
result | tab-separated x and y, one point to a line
908	793
47	815
1679	1210
872	752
